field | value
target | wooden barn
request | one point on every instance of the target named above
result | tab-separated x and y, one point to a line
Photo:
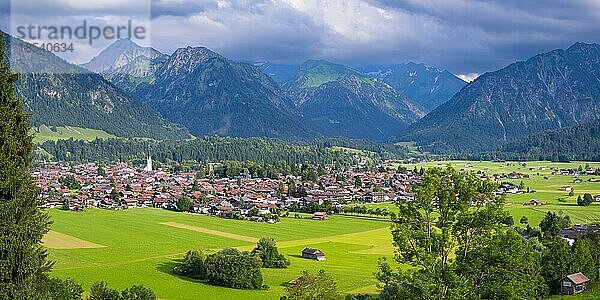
311	253
573	284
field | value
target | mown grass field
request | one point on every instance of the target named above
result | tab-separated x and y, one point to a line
141	246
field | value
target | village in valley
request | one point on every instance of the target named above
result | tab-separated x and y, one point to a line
124	186
530	191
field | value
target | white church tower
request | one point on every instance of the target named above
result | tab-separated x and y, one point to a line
148	167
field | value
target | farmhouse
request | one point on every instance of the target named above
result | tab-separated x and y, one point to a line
573	284
311	253
320	215
507	188
534	202
566	188
577	231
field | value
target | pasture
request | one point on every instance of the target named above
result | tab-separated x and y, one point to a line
141	246
44	133
546	185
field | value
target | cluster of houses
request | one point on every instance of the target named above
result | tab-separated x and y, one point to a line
122	186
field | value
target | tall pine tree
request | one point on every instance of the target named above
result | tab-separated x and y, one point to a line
23	265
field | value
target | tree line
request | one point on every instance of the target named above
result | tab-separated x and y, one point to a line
209	149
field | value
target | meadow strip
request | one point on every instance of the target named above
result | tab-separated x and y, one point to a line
57	240
232	236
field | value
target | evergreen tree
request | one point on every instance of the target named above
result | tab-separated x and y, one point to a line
23	264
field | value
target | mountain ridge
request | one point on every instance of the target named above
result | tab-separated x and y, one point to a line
551	90
59	93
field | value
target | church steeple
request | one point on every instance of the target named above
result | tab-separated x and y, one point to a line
148	167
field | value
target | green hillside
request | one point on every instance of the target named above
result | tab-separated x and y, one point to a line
61	94
44	133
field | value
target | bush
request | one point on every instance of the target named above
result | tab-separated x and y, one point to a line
192	266
233	268
266	250
228	267
309	286
101	291
66	289
138	292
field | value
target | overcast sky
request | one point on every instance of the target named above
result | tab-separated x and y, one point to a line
463	36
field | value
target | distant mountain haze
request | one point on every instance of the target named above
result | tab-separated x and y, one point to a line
428	86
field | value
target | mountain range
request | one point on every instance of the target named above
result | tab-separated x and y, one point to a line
552	90
133	91
58	93
428	86
340	101
210	94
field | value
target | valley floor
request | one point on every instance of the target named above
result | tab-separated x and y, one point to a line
141	246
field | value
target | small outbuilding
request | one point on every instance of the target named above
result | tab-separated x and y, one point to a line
573	284
311	253
320	215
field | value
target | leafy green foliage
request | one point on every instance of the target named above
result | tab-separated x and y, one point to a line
216	149
228	267
138	292
184	204
192	265
309	286
101	291
504	266
70	182
266	250
580	142
453	213
553	223
233	268
66	289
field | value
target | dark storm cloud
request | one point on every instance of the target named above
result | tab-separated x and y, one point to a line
179	8
464	36
503	31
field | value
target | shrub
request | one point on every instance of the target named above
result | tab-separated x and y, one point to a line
266	250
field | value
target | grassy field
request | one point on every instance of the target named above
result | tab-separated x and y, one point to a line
44	133
547	190
142	246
